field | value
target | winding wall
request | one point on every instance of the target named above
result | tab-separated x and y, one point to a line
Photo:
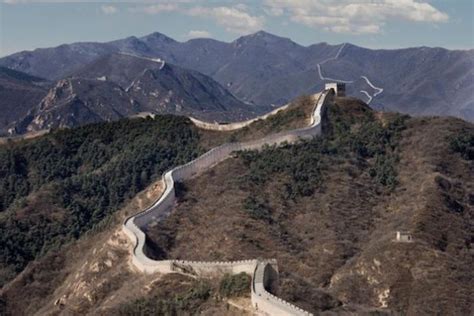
237	125
135	225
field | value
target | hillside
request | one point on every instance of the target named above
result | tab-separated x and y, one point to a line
75	102
93	273
327	209
19	92
55	188
265	69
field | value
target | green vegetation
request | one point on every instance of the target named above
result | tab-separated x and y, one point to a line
258	208
301	164
297	170
295	116
290	118
235	285
78	177
174	304
295	113
463	143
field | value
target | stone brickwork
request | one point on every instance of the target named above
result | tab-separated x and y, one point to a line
135	225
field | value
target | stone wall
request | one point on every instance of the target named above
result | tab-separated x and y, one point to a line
134	226
264	301
234	126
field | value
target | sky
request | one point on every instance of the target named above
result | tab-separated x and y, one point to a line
30	24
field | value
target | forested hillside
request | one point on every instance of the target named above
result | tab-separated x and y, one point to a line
55	188
326	209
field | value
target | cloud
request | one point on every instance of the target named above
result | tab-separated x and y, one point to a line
109	9
13	1
273	11
234	19
354	16
198	34
156	8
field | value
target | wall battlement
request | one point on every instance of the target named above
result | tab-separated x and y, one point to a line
135	225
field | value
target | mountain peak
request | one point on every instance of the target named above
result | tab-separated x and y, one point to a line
262	37
263	33
157	36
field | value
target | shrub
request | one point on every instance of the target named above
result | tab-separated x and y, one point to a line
181	303
257	209
463	144
235	285
384	171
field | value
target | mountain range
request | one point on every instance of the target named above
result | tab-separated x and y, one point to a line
120	85
261	70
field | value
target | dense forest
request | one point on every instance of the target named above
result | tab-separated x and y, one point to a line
76	178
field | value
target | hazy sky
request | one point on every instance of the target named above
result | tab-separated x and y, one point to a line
26	25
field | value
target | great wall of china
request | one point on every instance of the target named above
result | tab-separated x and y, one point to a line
262	271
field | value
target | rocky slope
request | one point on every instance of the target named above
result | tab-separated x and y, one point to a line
19	92
265	69
120	85
74	102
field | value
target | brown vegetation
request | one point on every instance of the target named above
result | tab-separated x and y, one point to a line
297	115
336	245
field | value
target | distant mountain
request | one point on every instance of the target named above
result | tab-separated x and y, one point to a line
19	92
161	87
121	85
73	102
421	81
120	68
55	63
265	69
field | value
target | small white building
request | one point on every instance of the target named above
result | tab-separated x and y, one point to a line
404	237
12	131
338	87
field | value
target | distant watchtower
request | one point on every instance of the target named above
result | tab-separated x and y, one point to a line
403	237
338	87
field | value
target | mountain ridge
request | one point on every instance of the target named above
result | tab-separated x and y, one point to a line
266	69
120	85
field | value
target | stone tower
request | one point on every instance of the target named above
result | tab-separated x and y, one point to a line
338	87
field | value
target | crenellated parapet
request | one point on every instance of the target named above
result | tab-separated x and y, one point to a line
262	271
262	300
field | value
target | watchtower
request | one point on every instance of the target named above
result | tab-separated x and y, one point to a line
338	87
403	237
